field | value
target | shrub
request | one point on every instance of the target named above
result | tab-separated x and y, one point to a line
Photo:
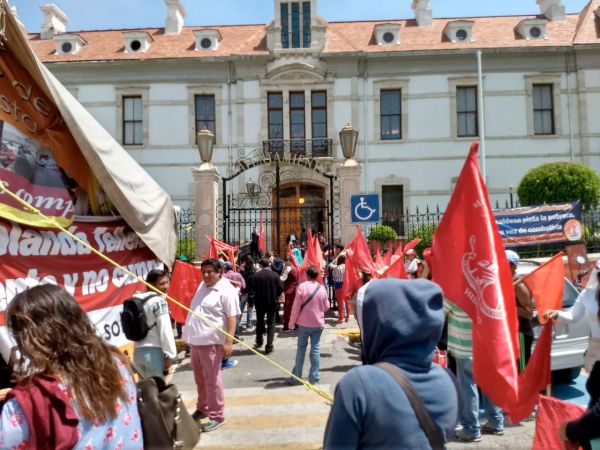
382	234
560	182
425	232
186	248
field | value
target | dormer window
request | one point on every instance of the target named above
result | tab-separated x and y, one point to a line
137	41
387	34
207	39
295	24
531	29
459	31
68	44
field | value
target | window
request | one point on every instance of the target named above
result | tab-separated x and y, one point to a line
285	26
390	113
543	109
205	113
275	112
306	24
466	111
392	204
297	121
133	114
319	121
295	24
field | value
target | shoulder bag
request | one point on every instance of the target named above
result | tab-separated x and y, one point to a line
436	441
309	298
166	423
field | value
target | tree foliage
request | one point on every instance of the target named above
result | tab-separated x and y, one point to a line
425	232
560	182
382	234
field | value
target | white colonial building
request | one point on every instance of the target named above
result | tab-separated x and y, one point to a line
410	87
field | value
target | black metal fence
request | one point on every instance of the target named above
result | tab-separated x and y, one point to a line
418	223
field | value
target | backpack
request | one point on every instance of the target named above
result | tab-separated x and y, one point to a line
133	318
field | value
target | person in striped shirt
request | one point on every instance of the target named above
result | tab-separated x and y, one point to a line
460	346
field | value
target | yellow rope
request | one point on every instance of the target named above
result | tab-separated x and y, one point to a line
306	384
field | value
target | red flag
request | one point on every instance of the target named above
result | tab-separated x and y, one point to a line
396	270
262	244
476	277
534	378
312	257
411	244
358	259
387	258
378	261
546	285
218	248
551	413
352	279
184	282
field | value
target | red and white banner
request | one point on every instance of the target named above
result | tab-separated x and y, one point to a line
30	256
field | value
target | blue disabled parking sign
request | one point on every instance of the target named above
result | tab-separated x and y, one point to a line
365	208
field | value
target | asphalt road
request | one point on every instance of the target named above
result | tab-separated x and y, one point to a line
255	388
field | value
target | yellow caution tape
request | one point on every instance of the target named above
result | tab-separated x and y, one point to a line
327	396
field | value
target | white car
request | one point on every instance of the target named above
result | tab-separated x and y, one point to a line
569	340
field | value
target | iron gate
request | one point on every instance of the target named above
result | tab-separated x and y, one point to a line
281	202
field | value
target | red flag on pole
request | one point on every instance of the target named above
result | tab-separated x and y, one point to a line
387	258
411	244
262	244
184	283
358	259
477	278
551	413
378	261
312	257
546	284
396	270
534	378
294	260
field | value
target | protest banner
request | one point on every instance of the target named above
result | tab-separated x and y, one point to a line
540	224
30	256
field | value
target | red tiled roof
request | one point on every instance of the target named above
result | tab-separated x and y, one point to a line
342	37
588	28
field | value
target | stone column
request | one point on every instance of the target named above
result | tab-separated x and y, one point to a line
206	179
349	177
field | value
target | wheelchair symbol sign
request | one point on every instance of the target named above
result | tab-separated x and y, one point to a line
364	208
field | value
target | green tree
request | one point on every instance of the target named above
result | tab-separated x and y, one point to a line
425	232
560	182
381	234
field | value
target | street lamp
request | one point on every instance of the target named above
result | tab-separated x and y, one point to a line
348	139
204	141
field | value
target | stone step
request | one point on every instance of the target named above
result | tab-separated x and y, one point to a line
258	418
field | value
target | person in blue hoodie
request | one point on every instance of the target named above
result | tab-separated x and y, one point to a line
402	321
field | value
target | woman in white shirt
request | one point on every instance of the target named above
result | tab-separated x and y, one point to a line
586	305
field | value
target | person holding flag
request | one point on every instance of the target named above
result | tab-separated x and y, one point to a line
587	305
524	310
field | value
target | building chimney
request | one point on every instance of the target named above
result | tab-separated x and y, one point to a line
55	21
554	10
422	12
175	15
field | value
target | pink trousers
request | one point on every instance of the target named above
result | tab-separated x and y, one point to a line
206	364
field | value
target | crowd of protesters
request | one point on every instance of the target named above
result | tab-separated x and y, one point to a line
401	322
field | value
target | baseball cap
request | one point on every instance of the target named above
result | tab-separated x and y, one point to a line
512	257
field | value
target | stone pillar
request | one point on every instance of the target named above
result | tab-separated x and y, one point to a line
206	179
349	178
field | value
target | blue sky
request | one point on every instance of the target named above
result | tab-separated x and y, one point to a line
104	14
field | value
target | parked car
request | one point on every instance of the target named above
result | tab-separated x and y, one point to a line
569	340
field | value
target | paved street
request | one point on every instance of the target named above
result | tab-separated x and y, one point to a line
263	412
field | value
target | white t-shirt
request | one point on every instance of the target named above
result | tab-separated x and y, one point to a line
161	334
216	303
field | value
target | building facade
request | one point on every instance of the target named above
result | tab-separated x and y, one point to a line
410	87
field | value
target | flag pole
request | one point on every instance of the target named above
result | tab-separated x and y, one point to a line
481	115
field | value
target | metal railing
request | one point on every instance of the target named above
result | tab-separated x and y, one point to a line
317	147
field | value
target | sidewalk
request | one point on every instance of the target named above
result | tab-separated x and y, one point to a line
263	412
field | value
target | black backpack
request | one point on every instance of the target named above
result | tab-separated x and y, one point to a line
133	318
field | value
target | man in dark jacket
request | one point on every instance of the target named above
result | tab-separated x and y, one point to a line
402	321
267	287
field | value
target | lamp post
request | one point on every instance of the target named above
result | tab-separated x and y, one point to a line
349	139
205	140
